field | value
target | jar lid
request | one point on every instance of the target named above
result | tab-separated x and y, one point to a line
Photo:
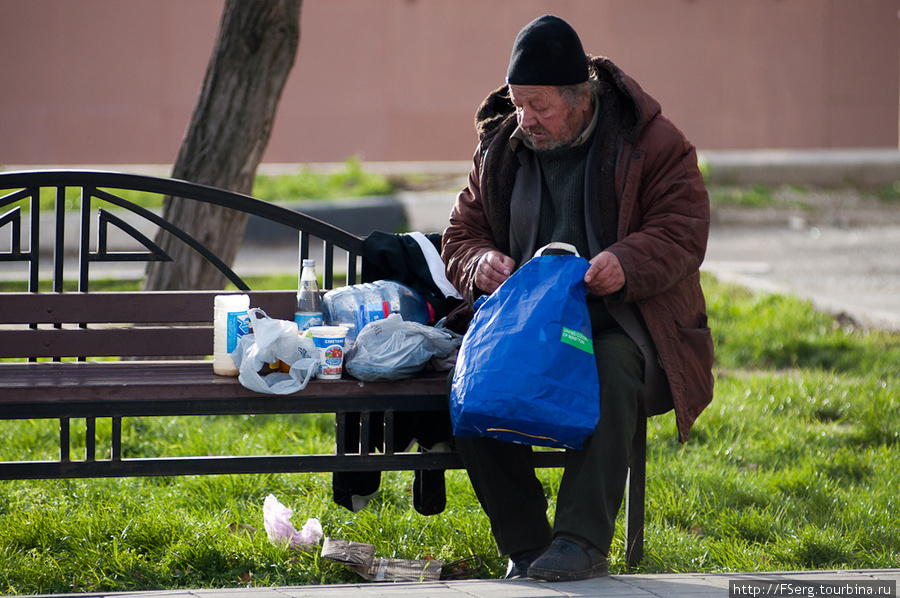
234	301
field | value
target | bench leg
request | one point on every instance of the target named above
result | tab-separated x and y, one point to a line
365	432
116	439
340	433
90	439
634	509
64	442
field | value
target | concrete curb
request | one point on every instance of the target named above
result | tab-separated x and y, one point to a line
359	216
874	167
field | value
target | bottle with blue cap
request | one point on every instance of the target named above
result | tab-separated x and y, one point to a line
309	303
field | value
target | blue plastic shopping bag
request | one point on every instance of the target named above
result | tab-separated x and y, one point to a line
526	371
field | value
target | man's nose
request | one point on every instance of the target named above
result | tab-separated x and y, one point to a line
527	118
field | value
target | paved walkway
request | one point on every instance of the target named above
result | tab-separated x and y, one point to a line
853	272
696	585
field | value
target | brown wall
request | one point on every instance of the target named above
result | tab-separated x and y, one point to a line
114	82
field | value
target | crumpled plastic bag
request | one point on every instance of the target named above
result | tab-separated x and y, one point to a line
277	521
393	349
273	340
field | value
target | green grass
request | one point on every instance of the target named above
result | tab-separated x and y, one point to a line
754	196
352	181
792	467
889	194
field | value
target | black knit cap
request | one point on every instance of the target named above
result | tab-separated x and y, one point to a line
547	52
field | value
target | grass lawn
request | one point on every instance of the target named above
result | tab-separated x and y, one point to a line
793	466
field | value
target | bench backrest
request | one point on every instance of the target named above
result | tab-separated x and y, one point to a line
129	324
126	324
98	192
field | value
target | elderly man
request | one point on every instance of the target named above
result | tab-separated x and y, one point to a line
573	150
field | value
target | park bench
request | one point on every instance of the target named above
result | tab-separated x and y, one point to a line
81	354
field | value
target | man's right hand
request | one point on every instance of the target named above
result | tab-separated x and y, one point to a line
493	269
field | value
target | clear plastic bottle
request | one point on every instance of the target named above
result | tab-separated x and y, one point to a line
309	303
357	305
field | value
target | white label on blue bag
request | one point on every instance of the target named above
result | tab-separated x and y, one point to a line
577	340
238	324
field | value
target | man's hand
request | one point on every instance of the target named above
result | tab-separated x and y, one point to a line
492	270
605	276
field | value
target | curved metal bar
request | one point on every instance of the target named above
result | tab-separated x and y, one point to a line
165	224
14	219
155	252
14	197
187	190
93	182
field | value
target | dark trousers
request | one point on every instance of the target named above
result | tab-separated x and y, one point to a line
593	483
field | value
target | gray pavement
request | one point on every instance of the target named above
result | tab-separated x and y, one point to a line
854	273
671	585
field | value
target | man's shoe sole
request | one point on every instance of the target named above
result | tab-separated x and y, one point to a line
598	570
569	560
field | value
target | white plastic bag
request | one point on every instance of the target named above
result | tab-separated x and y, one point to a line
393	349
273	340
279	529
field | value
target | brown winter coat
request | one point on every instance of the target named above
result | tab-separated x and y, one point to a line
662	213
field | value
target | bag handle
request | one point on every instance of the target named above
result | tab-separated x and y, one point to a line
557	248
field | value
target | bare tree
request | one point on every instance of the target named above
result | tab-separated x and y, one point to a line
228	132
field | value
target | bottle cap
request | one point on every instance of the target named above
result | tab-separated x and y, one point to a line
309	263
232	302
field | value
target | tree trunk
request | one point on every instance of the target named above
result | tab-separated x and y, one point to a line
228	132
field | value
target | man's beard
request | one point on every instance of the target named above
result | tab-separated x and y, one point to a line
550	143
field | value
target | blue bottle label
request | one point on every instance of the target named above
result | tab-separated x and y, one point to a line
238	324
306	320
371	312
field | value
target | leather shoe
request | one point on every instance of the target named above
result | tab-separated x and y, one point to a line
521	561
569	559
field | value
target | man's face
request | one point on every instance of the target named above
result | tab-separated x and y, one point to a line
548	117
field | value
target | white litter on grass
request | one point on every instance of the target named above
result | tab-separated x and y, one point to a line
277	521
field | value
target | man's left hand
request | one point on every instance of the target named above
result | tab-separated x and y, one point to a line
605	276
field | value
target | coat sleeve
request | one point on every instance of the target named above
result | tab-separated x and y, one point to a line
665	225
469	235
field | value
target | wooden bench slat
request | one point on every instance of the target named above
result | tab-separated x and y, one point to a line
108	342
130	307
134	324
145	381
